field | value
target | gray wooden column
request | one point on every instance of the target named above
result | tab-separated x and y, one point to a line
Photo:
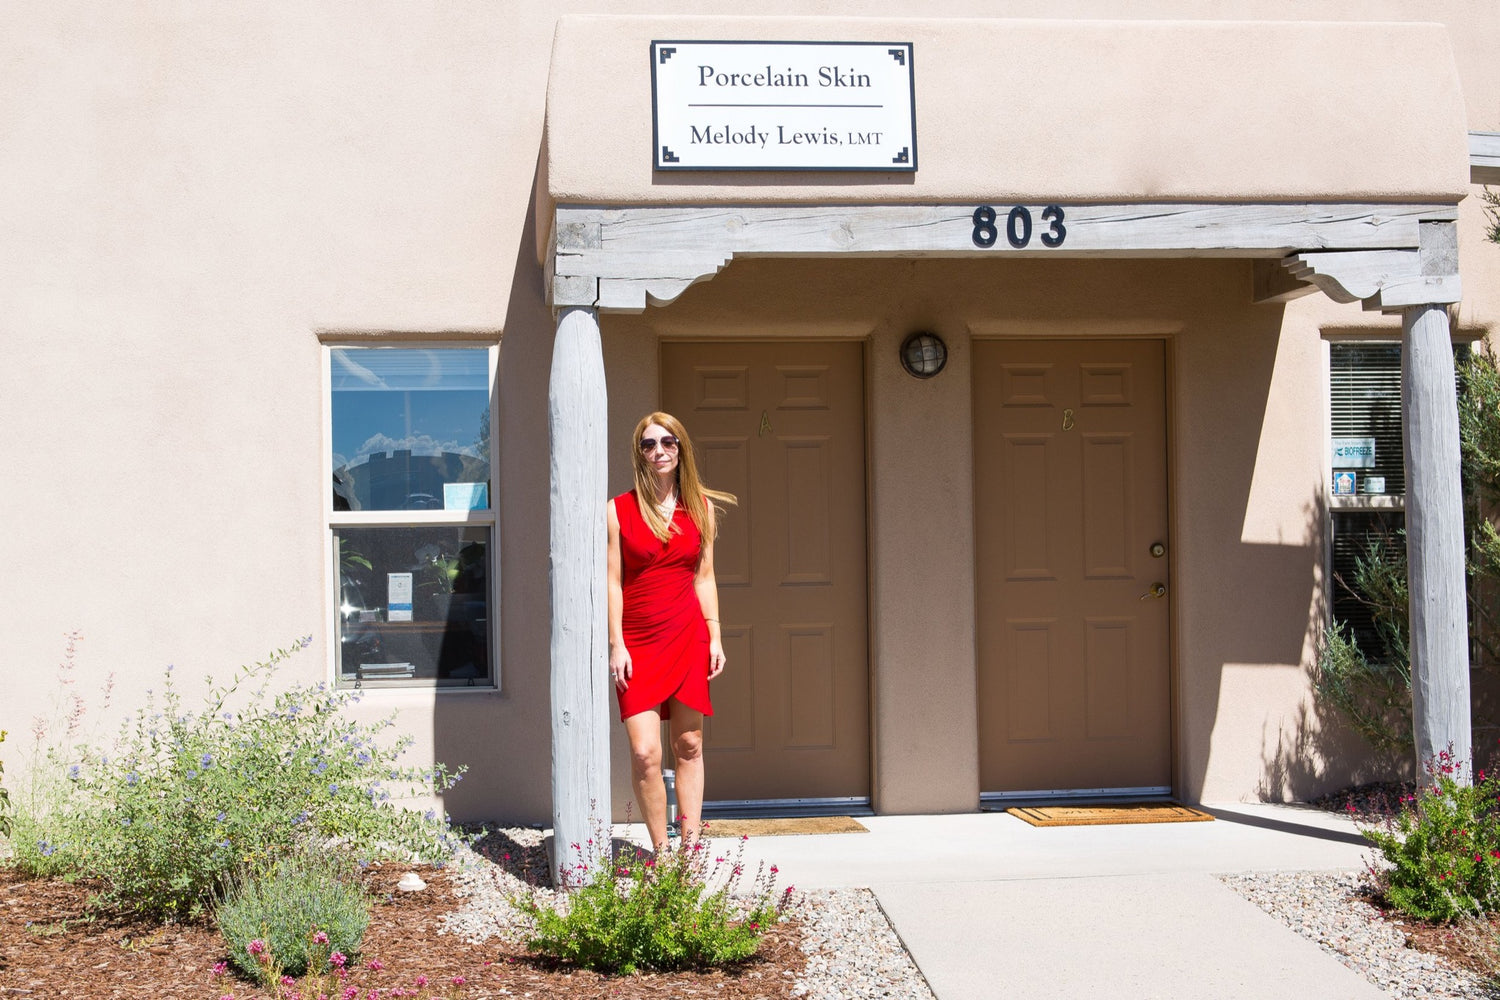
1434	538
576	422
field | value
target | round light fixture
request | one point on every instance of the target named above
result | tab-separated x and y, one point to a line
924	354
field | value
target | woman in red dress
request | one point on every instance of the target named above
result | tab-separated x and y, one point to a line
664	643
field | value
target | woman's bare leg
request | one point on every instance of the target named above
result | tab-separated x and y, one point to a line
644	732
687	747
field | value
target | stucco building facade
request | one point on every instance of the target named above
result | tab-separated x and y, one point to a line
250	251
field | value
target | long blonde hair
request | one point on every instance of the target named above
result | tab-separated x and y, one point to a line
691	493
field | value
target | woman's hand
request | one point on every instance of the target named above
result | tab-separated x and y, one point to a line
715	658
619	666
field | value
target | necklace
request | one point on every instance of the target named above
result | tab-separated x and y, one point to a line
668	506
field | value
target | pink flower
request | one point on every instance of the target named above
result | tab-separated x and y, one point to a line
774	869
288	981
421	981
375	965
220	968
337	959
350	992
320	938
256	947
227	996
459	980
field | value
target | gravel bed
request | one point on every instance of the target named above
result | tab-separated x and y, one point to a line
853	953
1329	909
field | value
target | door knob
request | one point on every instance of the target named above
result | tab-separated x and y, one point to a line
1158	550
1157	590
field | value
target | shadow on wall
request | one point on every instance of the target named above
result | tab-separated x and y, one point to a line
1319	752
505	736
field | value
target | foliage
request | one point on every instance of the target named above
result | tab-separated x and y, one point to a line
183	800
291	916
656	913
4	797
1373	694
1492	215
1372	688
1444	850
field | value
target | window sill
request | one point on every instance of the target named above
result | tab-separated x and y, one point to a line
1368	502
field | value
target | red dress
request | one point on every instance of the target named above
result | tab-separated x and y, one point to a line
663	624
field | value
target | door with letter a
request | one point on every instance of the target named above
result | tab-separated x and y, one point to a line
781	426
1071	564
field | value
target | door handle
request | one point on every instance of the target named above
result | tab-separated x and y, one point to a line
1157	590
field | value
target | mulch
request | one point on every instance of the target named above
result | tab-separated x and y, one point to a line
53	945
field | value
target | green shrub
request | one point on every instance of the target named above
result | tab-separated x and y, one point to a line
644	913
290	917
183	800
4	798
1444	849
1372	687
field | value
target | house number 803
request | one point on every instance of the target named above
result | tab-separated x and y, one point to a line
1018	226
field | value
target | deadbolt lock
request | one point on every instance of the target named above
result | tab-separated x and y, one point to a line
1158	550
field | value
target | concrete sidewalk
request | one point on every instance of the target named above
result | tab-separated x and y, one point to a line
990	906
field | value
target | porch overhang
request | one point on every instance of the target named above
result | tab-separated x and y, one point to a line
1336	153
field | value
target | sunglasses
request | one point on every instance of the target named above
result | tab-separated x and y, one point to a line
667	441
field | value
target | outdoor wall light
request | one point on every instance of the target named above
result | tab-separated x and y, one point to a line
923	354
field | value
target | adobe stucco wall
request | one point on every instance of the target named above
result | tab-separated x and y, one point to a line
193	196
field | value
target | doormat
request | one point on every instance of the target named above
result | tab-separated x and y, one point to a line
1102	815
785	827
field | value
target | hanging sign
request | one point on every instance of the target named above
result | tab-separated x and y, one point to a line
783	106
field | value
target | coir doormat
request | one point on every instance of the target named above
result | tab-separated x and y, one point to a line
1102	815
782	827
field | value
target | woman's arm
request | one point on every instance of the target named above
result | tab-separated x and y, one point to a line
708	600
619	656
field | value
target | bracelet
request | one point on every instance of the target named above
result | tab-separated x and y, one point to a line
714	620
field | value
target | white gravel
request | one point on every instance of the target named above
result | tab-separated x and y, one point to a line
853	953
1327	908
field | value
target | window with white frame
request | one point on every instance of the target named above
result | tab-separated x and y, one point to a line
411	516
1368	495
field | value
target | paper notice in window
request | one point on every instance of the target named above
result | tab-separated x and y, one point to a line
398	597
466	496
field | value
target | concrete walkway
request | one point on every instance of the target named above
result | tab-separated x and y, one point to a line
990	906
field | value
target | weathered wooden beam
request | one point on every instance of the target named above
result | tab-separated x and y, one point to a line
577	421
1434	538
1353	276
653	253
1272	282
1196	229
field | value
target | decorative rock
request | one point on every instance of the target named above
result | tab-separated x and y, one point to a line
411	882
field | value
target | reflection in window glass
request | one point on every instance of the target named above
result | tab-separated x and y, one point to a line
413	604
411	428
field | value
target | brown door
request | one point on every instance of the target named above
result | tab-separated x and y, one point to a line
1071	528
781	426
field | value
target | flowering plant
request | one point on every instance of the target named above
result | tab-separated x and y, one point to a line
182	800
1444	847
657	912
295	917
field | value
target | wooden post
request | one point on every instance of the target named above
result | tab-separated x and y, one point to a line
576	421
1434	539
